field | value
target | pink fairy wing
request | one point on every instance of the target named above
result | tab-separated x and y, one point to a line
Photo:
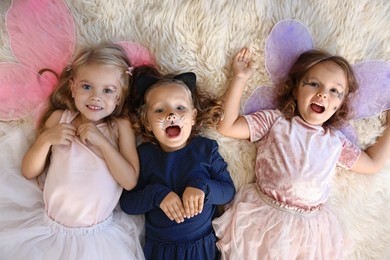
42	33
137	54
373	96
263	97
22	89
287	40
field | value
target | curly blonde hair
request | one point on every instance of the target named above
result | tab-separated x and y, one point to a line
287	103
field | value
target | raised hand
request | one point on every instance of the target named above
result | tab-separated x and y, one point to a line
173	207
193	201
243	64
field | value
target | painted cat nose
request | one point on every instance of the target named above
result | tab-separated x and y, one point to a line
171	116
321	95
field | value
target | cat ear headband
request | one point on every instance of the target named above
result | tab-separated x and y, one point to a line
290	38
143	82
42	35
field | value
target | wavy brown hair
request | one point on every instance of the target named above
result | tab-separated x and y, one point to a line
106	54
287	103
209	109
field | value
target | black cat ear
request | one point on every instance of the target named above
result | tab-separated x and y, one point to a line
143	83
189	78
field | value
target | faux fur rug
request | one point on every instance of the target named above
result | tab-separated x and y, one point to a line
203	35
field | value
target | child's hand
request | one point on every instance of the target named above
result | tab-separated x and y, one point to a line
193	201
173	207
243	64
89	132
60	134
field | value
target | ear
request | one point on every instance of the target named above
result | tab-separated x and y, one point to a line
194	115
147	125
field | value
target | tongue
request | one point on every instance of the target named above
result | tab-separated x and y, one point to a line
317	108
173	131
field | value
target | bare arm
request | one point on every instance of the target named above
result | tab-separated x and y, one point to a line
234	125
34	161
373	159
123	163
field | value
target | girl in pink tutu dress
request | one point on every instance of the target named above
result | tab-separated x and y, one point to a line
88	150
283	215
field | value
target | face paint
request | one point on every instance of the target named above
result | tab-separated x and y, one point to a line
170	121
340	95
335	108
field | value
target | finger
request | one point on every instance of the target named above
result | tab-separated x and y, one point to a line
200	205
176	213
194	207
186	208
168	214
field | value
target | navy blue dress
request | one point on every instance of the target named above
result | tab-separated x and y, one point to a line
197	165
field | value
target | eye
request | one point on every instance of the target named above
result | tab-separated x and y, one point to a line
181	108
311	84
334	90
159	110
86	86
108	91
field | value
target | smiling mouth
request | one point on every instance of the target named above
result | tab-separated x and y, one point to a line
94	107
173	131
317	108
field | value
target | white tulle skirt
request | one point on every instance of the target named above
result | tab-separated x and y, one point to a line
252	229
27	233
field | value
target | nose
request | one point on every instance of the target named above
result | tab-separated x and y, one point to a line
171	116
320	94
95	97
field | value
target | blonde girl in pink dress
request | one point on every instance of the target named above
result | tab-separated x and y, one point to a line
283	215
87	149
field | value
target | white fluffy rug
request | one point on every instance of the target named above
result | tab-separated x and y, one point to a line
202	35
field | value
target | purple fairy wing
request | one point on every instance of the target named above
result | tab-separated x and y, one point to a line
22	89
263	97
137	54
42	33
373	96
287	40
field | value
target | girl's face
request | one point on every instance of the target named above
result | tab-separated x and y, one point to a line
96	91
170	115
321	92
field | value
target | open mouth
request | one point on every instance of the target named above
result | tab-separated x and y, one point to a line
173	130
317	108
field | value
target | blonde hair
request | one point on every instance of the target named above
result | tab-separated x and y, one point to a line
307	60
107	54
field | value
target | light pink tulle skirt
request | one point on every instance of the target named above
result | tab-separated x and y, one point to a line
27	233
252	229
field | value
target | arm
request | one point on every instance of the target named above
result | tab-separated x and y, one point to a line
217	190
143	198
34	161
123	163
232	124
373	159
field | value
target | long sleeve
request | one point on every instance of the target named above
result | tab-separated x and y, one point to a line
143	198
219	189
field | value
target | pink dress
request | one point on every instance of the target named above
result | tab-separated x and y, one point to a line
284	214
76	217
